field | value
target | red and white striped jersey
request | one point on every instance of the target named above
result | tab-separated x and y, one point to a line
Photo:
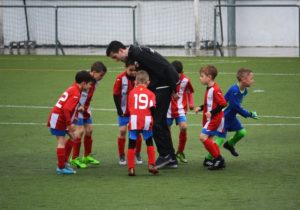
85	100
212	98
122	87
179	107
63	112
140	101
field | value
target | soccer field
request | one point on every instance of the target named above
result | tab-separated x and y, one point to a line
264	176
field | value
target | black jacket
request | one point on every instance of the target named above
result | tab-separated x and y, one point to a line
160	71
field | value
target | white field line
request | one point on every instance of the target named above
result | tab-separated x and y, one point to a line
113	110
119	69
46	107
256	74
191	125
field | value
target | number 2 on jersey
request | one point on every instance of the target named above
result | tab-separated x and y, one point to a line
63	98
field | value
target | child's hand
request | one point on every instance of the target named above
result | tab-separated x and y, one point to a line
191	108
71	128
175	96
199	109
253	115
208	114
80	108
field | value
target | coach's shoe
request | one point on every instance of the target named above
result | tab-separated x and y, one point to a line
67	171
218	163
78	163
162	161
181	157
122	160
152	169
172	164
131	172
231	149
138	159
207	162
90	160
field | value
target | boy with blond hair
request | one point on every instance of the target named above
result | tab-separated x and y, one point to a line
234	98
141	104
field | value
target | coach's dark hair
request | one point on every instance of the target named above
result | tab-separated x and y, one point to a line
178	66
114	47
209	70
83	76
98	67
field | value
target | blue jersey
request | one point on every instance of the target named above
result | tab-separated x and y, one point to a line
234	98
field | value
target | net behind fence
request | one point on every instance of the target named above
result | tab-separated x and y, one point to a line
152	23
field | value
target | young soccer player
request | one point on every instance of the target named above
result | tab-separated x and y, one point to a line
234	98
84	120
60	120
178	108
141	102
213	116
123	85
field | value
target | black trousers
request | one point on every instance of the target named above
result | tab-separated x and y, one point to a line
161	132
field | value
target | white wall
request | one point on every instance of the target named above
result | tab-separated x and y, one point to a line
157	23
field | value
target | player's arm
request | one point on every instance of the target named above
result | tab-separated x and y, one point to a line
152	104
116	96
118	105
68	108
220	101
199	109
237	106
190	95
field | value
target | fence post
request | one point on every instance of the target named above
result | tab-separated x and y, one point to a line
133	25
56	30
215	31
231	31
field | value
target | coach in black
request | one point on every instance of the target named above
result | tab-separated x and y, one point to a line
163	80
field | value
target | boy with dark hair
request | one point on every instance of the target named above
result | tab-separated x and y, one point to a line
213	116
123	85
163	79
84	120
178	108
141	102
61	117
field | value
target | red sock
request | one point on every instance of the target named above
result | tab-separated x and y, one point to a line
76	148
68	149
130	158
182	140
138	145
212	148
151	155
60	153
87	145
121	146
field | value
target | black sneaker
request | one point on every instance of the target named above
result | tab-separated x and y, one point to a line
218	163
230	149
207	162
172	164
162	161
